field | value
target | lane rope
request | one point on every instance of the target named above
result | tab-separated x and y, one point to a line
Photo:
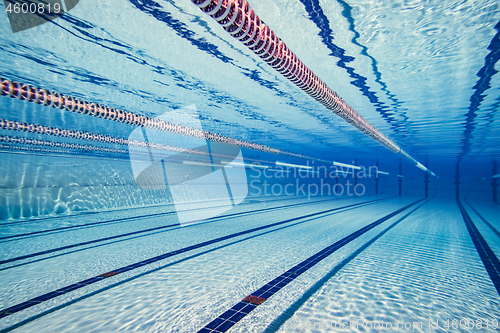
242	23
69	103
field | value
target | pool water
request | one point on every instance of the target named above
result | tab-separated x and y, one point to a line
193	188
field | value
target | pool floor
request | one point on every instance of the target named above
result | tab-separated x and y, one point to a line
281	264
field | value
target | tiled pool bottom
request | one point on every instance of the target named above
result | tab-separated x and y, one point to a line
338	264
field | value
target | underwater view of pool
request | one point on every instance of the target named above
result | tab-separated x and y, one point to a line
249	166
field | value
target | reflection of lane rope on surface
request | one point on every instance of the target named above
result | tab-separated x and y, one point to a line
89	136
240	21
10	143
56	100
25	127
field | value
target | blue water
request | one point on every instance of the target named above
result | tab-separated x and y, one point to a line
112	237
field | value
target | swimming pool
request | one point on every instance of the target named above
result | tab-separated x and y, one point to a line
168	171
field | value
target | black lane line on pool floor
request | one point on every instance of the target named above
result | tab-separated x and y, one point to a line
81	284
100	223
84	214
484	220
276	324
229	318
25	235
148	230
488	257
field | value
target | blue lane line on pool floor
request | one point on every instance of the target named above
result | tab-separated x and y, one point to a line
277	323
488	257
83	214
114	220
32	255
81	284
121	220
229	318
485	221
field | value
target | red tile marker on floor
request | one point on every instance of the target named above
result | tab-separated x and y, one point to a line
254	299
109	274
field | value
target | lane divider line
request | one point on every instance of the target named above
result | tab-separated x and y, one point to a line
45	297
488	257
276	324
111	210
152	229
117	220
229	318
484	220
